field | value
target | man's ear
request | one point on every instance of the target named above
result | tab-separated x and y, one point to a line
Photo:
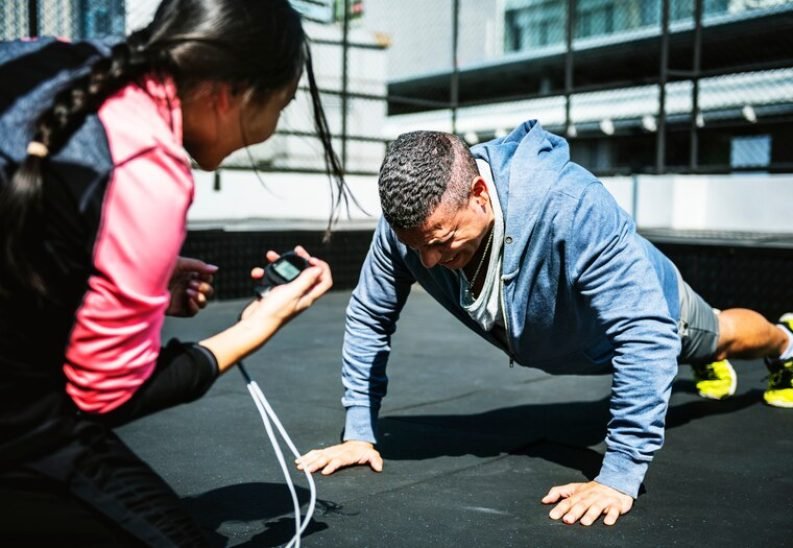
479	191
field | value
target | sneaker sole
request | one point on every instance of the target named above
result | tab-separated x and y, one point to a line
785	320
781	404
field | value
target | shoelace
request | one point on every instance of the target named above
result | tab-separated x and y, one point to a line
781	378
705	372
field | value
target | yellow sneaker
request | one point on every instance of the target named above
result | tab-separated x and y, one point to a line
780	382
780	385
716	380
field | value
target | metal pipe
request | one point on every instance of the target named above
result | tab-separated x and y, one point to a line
265	168
345	48
33	18
310	134
352	45
696	66
568	65
376	97
660	150
454	96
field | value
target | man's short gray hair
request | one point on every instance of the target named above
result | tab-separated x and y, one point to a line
420	169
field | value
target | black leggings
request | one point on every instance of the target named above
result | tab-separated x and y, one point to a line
92	490
108	497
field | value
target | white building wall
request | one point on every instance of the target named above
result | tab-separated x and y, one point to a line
421	33
745	202
367	75
140	13
247	200
751	202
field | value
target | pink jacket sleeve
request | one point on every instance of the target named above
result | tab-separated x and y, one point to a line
115	342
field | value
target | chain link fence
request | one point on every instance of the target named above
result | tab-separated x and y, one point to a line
637	86
73	19
348	65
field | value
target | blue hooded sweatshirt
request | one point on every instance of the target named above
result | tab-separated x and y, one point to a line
582	293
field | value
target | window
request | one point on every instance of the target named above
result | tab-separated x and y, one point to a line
649	12
97	18
716	7
534	24
595	19
750	151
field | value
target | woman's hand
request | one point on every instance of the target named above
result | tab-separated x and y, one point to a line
284	302
264	317
190	286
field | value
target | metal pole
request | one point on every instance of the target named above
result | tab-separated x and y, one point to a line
568	65
695	69
455	82
33	17
660	151
345	49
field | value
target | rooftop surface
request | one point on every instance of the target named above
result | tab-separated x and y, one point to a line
470	447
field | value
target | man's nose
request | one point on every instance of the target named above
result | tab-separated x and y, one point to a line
429	257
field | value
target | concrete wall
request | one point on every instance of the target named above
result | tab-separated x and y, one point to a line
421	33
244	201
755	203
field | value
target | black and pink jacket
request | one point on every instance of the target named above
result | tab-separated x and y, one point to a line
115	205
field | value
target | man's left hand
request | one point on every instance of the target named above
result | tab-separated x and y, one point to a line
587	502
190	286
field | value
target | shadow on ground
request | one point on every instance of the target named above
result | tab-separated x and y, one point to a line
562	433
254	514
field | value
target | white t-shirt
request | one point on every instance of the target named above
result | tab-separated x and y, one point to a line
486	309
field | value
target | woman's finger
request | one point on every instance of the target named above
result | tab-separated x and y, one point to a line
272	256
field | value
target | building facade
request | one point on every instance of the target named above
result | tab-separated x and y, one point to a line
727	83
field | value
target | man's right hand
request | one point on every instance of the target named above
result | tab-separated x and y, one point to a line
349	453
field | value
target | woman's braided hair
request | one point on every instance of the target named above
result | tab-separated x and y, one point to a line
21	199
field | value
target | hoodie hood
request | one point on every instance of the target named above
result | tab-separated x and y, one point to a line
33	72
526	165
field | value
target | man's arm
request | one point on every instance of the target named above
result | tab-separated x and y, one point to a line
617	279
371	318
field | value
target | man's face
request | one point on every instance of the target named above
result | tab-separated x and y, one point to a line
451	235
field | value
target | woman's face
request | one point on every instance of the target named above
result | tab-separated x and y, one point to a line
218	121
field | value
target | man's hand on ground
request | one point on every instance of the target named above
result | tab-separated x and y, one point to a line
587	502
349	453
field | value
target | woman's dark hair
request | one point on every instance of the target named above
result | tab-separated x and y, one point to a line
256	45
